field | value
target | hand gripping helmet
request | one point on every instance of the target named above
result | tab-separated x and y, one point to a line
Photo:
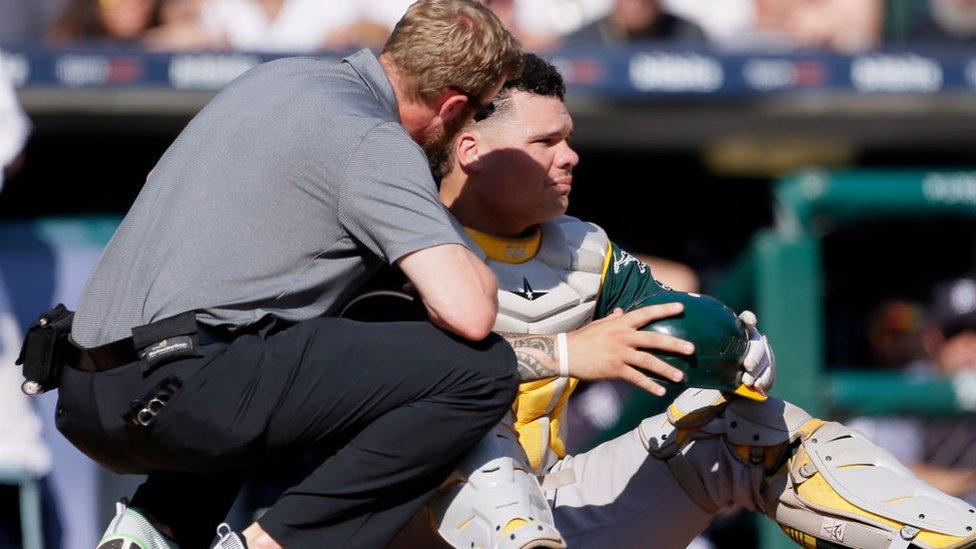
720	340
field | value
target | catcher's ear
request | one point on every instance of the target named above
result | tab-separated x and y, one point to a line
466	152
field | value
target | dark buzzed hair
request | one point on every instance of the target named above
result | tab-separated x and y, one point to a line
538	77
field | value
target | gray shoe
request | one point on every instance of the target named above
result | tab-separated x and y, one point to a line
130	529
228	539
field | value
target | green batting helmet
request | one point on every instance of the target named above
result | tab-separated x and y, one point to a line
720	340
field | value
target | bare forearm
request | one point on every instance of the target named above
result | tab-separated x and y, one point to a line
536	355
457	289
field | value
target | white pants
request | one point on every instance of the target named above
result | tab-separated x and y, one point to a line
623	497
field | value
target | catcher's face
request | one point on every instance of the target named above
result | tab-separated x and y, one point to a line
526	162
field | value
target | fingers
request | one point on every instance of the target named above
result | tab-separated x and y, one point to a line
654	365
763	380
748	380
634	377
661	342
767	380
639	318
758	362
617	313
754	353
749	319
759	365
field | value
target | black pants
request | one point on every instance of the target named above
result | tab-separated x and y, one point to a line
391	405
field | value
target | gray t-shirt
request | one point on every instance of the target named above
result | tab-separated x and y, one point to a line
280	197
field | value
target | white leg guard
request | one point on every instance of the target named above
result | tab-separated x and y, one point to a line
494	501
839	487
827	485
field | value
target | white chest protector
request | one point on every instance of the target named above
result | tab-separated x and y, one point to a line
556	289
547	283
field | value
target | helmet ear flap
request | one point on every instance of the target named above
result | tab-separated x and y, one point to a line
720	339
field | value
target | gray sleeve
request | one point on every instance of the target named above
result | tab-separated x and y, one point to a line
388	199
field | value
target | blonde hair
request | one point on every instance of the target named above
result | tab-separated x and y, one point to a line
452	44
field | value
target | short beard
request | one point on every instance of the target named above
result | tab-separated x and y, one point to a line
441	137
434	145
440	164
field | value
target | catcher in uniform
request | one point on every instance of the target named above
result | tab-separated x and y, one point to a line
507	177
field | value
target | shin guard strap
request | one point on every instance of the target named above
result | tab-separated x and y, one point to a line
688	479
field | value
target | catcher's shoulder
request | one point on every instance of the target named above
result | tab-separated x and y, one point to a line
576	229
588	241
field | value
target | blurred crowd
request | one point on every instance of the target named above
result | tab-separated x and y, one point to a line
542	25
933	341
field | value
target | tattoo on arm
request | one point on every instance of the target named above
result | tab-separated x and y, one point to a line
531	368
535	354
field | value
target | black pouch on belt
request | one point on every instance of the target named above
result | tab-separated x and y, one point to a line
46	348
167	340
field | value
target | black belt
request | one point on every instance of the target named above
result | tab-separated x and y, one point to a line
122	352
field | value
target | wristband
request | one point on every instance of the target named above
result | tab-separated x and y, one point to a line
563	354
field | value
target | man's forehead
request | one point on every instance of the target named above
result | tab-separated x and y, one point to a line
534	113
532	101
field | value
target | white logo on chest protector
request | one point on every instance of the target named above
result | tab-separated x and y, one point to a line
833	529
623	259
526	291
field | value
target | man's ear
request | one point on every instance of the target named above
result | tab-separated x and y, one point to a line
466	150
451	105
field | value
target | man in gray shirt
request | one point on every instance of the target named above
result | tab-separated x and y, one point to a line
233	221
206	343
